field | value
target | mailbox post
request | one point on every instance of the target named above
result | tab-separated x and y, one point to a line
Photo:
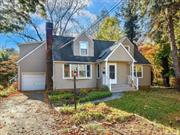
75	92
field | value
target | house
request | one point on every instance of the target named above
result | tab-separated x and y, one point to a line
119	65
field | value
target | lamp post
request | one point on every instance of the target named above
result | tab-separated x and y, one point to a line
75	93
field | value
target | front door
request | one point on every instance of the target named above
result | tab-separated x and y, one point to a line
113	73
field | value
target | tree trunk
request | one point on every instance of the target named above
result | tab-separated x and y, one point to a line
165	71
172	41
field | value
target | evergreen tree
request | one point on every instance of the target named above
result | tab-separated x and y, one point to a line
128	13
163	56
164	13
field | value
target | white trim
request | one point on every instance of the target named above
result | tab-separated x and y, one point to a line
30	52
141	70
72	62
132	69
80	78
19	78
87	48
120	44
129	49
106	73
115	66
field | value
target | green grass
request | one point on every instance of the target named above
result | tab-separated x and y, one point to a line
61	98
93	95
160	105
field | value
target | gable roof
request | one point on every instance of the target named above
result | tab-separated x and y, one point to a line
66	53
140	59
39	45
102	49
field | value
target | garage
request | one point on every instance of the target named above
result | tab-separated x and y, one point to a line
33	81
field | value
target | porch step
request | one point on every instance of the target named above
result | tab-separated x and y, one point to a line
121	88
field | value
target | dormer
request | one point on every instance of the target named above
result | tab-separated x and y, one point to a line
83	45
128	45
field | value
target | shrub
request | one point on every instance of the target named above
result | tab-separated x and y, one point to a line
1	88
5	92
104	88
86	116
97	129
67	110
84	91
93	95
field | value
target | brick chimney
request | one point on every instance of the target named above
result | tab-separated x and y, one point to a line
49	68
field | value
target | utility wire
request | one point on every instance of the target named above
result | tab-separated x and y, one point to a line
94	24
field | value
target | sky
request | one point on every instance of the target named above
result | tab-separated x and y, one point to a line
88	16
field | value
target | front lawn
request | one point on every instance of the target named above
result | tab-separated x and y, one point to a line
161	105
90	119
64	98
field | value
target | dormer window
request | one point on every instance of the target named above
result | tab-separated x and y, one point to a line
83	48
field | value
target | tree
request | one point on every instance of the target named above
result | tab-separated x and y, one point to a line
62	13
130	16
8	66
109	29
150	51
14	14
162	57
164	14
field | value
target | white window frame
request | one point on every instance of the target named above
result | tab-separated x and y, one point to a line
71	77
128	48
87	48
135	66
98	65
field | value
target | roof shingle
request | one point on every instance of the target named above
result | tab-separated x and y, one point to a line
101	50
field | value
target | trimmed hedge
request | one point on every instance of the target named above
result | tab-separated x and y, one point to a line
94	95
61	98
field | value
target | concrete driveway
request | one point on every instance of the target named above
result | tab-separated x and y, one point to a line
27	114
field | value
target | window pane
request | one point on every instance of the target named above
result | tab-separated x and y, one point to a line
66	70
139	74
88	71
84	44
83	51
84	47
82	70
138	70
74	67
112	72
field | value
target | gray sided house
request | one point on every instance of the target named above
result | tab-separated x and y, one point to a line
119	65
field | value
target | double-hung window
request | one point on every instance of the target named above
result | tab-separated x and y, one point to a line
83	48
83	71
138	71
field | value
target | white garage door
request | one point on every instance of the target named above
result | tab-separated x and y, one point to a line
33	81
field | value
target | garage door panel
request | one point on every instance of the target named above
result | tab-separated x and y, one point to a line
33	82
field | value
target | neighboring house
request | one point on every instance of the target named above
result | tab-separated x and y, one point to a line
119	65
